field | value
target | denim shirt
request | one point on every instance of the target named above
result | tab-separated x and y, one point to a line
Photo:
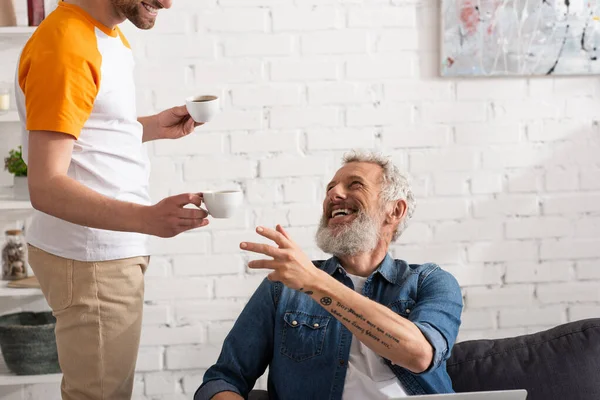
307	349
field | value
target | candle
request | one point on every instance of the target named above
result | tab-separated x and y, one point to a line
4	101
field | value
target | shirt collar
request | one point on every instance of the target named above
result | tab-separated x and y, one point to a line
387	267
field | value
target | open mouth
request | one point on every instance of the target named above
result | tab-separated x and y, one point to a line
341	215
151	10
342	212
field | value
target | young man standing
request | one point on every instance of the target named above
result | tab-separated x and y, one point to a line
88	180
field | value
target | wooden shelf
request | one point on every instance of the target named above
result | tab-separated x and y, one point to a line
5	291
8	204
7	378
17	30
11	116
15	380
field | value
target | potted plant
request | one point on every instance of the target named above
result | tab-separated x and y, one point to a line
15	165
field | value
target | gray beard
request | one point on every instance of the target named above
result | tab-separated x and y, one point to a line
359	236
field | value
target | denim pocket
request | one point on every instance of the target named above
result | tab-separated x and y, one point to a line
402	307
303	335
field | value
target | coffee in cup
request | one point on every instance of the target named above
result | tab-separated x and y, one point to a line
202	108
222	204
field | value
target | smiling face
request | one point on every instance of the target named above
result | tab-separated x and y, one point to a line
353	215
141	13
355	187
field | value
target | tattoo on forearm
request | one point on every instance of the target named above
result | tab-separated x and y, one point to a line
372	325
387	335
372	330
357	326
351	311
371	335
309	292
326	301
301	289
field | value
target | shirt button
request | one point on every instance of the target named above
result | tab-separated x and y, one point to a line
316	325
342	362
294	323
340	270
408	310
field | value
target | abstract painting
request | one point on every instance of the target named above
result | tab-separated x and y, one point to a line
520	37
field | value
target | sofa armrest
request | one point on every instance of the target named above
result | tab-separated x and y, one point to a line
559	363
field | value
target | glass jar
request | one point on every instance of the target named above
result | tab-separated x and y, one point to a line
8	17
4	99
14	256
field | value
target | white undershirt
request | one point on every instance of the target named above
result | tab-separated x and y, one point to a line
368	377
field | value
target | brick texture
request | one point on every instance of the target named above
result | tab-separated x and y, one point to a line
505	171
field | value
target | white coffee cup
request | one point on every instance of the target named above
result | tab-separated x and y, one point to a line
202	108
224	203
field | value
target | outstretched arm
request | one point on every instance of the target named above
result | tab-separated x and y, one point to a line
416	344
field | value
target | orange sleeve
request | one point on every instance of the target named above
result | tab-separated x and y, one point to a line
60	78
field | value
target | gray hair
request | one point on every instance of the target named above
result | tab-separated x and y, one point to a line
395	185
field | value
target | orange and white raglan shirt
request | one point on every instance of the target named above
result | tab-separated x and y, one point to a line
75	76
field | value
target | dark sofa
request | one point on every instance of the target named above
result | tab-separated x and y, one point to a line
562	363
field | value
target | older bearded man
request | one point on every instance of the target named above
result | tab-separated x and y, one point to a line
359	325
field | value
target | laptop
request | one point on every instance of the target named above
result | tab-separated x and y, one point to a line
495	395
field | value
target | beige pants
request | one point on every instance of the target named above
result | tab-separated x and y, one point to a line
98	308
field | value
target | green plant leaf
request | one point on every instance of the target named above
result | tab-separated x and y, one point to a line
14	163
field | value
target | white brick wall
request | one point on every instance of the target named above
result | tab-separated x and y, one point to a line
306	19
258	45
505	170
374	67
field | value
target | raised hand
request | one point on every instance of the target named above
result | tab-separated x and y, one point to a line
289	263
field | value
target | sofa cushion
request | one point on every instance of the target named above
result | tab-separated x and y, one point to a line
560	363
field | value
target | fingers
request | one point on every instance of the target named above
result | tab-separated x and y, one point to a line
274	277
201	223
190	213
180	111
188	224
280	229
261	248
188	198
262	264
189	126
275	236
